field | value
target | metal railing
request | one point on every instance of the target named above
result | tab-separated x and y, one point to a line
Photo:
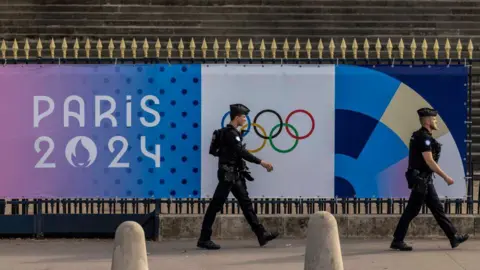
302	54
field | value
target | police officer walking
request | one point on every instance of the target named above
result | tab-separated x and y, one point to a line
424	154
227	145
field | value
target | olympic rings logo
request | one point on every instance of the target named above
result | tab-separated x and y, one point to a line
276	130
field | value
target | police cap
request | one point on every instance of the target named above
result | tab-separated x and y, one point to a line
424	112
238	109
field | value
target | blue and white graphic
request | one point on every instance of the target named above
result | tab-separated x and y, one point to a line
144	130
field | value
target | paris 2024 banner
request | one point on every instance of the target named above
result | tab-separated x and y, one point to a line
121	131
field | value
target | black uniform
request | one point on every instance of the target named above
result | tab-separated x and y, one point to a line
231	174
419	178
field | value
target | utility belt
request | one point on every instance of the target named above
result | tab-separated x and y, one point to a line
418	180
232	173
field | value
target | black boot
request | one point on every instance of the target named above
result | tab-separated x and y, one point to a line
458	239
400	245
207	244
204	240
264	237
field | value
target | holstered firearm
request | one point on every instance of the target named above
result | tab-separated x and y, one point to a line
417	181
230	173
245	171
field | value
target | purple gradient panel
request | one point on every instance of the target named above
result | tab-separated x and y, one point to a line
20	178
391	183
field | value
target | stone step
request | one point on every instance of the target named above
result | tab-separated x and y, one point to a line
257	23
442	19
407	3
453	9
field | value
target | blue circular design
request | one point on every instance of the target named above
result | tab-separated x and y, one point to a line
195	170
195	102
173	148
184	181
129	193
184	68
162	91
184	159
172	192
195	192
139	159
173	125
173	80
139	91
173	102
162	181
184	114
150	80
162	69
184	136
117	91
173	170
195	80
139	181
249	123
150	170
184	91
162	136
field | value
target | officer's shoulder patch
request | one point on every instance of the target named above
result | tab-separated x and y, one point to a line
237	138
427	142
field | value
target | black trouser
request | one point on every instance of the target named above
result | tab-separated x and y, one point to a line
414	206
239	190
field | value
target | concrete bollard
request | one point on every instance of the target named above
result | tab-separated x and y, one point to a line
323	250
129	251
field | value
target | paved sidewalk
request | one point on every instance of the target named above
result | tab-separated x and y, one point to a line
281	254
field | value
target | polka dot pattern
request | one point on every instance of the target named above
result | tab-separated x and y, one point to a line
177	87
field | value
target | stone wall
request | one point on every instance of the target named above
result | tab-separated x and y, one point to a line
295	226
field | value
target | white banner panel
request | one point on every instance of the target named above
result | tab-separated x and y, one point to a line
300	91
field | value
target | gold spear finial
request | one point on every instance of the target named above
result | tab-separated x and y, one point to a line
470	49
250	49
355	48
204	48
262	49
145	48
216	48
64	48
227	48
286	48
366	48
239	48
76	47
3	48
389	48
274	48
134	47
448	47
192	48
87	48
111	48
378	48
169	48
413	48
401	48
436	48
158	47
297	48
123	47
308	48
320	49
181	47
39	48
15	49
332	48
343	48
459	49
99	48
52	48
26	48
424	48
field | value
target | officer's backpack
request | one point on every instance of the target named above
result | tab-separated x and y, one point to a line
216	143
